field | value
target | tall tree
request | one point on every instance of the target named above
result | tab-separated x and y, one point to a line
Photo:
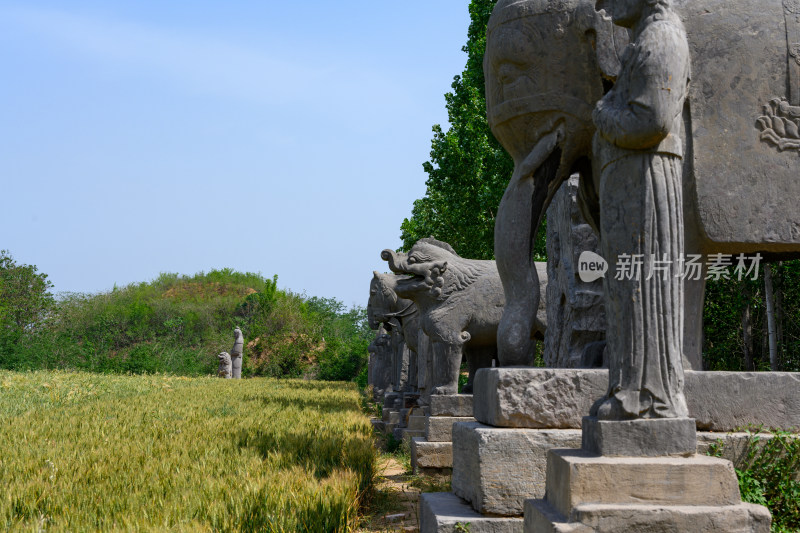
468	170
24	296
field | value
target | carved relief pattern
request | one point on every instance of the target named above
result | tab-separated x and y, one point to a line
780	125
780	121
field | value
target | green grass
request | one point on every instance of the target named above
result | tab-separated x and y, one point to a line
86	452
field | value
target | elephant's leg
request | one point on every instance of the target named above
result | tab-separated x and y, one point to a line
518	219
477	358
447	366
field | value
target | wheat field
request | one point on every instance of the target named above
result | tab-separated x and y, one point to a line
89	452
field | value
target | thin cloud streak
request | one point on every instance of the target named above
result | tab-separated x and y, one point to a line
200	63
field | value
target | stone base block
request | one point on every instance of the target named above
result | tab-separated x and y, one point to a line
576	477
636	518
410	434
390	416
377	425
440	428
417	422
442	512
389	399
451	405
560	398
536	397
497	469
586	493
426	454
641	437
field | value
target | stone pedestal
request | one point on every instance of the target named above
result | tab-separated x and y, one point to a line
640	438
433	454
500	461
591	493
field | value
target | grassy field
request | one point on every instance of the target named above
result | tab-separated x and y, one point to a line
86	452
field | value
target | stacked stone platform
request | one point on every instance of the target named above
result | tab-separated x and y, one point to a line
501	459
433	452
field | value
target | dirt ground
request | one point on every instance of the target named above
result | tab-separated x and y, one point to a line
395	509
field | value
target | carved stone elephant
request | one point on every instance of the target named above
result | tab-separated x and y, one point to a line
548	62
400	317
460	303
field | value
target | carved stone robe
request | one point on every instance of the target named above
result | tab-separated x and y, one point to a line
637	156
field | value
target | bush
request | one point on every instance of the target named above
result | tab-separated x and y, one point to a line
179	324
768	475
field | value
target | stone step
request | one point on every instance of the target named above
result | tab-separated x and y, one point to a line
451	405
576	477
440	428
426	454
442	512
540	517
560	398
497	469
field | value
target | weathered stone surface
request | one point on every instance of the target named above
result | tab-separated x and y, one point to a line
426	454
451	405
417	422
576	477
380	363
496	469
236	354
577	305
536	397
460	303
400	317
391	416
719	401
642	437
225	370
726	401
441	512
440	428
595	518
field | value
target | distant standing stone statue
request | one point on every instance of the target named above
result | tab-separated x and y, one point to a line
638	158
224	365
236	353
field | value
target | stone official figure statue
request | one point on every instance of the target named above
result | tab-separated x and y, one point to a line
236	354
637	159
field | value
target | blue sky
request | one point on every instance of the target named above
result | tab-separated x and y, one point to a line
276	137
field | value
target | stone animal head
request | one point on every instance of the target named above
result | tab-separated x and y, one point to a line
385	305
544	66
431	268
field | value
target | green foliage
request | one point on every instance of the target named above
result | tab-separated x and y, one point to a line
468	170
725	302
768	473
87	452
25	300
178	324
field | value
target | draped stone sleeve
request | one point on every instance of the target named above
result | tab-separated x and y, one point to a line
640	112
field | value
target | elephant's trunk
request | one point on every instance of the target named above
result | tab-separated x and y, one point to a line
396	261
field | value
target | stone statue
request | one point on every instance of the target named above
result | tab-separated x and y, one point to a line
460	302
738	142
380	363
236	354
576	338
638	152
400	317
224	365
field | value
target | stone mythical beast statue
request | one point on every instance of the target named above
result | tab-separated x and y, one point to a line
460	302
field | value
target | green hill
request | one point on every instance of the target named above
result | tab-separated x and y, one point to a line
178	324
